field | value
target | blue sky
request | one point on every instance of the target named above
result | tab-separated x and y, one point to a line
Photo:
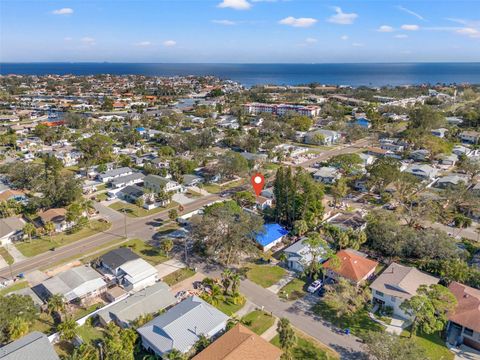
239	31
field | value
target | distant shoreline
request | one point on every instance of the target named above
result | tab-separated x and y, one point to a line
352	74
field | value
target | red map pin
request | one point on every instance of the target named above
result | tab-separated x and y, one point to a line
258	181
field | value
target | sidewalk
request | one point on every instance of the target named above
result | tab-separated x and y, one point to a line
271	332
275	288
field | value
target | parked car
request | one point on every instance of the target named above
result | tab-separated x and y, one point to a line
316	285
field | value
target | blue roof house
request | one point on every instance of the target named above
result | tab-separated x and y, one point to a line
272	235
363	122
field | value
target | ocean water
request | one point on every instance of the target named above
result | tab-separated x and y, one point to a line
372	74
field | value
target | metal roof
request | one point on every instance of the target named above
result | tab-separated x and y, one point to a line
115	258
34	345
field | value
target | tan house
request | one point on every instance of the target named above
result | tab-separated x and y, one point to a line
240	343
397	284
57	216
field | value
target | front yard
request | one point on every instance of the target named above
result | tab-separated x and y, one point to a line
150	253
178	275
45	243
229	306
134	211
16	286
433	345
265	275
6	255
308	348
258	321
294	290
359	323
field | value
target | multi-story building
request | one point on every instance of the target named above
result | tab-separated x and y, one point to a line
282	109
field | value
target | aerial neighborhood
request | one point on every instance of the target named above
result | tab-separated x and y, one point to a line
129	227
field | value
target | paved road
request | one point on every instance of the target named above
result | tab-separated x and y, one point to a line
301	317
356	147
141	227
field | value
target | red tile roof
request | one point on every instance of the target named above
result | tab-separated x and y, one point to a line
352	266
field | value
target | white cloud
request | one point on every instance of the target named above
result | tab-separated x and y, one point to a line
342	18
468	31
344	37
224	22
298	22
385	28
311	40
401	36
408	11
410	27
358	44
169	43
63	11
88	40
235	4
143	43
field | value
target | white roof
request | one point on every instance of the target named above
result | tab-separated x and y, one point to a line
137	270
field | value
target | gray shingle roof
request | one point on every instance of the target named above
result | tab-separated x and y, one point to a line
180	327
32	346
117	257
127	178
150	300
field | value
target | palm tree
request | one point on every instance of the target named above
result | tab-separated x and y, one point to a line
215	295
56	304
226	279
235	278
17	328
30	230
67	329
49	228
167	246
287	336
201	343
175	355
85	351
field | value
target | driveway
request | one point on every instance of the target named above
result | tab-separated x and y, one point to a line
169	267
299	314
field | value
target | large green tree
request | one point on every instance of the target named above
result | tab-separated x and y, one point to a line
386	346
429	308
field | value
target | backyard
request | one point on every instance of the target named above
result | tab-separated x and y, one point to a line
258	321
134	211
45	243
265	275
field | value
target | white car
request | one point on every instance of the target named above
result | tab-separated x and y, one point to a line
316	285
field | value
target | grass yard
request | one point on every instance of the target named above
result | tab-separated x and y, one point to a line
6	255
294	290
16	286
265	275
45	243
215	188
359	323
134	211
90	334
44	323
258	321
81	312
228	307
177	276
433	344
308	348
148	252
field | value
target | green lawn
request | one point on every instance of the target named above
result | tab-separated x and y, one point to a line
44	323
16	286
215	188
258	321
308	348
265	275
177	276
293	290
90	334
227	306
134	211
359	323
433	344
45	243
86	310
6	255
148	252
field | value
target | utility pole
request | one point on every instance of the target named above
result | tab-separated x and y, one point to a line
125	221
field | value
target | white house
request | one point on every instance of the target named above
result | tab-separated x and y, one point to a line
11	229
115	173
327	175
